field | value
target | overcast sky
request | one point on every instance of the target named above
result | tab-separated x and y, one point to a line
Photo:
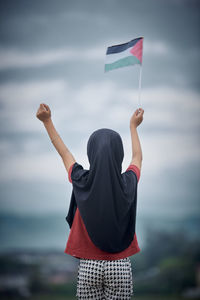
54	52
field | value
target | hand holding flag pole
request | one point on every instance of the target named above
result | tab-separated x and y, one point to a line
123	55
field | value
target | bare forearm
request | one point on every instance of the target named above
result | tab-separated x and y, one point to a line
55	138
136	146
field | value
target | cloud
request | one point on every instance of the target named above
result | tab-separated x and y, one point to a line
55	54
12	58
21	96
156	47
27	167
168	133
104	102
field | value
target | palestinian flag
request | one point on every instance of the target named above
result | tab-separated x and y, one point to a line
123	55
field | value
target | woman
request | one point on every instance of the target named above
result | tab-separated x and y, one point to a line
102	212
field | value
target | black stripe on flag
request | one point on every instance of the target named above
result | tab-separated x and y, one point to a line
122	47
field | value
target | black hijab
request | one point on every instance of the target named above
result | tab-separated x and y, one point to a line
107	199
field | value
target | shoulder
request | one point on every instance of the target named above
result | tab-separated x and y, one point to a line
135	169
77	172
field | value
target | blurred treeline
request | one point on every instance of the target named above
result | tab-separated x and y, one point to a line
168	268
170	264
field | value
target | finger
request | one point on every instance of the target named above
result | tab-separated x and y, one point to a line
46	106
141	111
137	111
42	107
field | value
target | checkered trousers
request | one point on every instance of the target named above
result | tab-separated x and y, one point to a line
105	279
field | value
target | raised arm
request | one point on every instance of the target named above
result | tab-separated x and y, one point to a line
135	121
44	115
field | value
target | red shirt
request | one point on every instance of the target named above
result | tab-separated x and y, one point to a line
79	243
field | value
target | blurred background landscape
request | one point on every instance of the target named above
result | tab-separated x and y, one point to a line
53	52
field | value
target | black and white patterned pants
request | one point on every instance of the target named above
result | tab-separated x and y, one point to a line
104	279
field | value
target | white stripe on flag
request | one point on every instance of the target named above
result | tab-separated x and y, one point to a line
110	58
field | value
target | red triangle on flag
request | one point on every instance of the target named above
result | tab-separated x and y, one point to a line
136	50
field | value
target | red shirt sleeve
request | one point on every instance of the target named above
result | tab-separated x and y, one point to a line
69	173
135	169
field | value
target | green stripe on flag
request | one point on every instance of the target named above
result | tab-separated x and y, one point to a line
126	61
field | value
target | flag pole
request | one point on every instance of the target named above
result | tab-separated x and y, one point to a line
140	79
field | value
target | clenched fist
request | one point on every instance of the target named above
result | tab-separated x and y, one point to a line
43	112
137	117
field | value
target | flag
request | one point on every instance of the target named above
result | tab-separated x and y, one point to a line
123	55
